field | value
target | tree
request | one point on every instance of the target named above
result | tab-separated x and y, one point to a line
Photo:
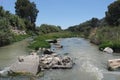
45	28
27	10
94	22
113	13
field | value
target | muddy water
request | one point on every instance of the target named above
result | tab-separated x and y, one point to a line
91	64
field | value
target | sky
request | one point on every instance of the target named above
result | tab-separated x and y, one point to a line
64	13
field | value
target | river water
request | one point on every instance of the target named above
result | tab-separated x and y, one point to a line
9	54
90	63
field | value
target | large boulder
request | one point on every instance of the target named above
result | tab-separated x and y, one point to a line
29	65
113	64
108	50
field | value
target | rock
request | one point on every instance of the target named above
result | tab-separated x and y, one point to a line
54	55
66	59
21	58
47	51
29	65
55	62
52	41
59	46
108	50
113	64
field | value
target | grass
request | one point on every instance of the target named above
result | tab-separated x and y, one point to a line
19	37
40	41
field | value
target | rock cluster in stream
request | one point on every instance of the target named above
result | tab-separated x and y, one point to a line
55	61
35	63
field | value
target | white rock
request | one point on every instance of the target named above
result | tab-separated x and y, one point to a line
114	64
108	50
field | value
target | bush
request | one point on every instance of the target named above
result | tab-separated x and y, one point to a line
19	37
114	45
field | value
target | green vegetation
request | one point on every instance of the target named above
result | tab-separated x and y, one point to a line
28	11
113	13
20	37
85	28
12	25
108	37
45	29
40	41
9	21
62	34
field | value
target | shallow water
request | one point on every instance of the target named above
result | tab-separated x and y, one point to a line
9	54
91	64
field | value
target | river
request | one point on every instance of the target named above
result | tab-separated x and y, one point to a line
90	63
9	54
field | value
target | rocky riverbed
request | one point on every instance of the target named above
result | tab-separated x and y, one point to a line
34	63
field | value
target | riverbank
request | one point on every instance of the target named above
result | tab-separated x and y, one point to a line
106	37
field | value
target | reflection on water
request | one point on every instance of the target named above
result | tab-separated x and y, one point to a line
91	64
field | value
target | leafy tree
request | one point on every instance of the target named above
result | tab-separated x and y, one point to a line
45	28
113	13
94	22
27	10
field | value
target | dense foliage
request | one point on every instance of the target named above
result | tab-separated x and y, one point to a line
113	13
27	10
9	21
45	28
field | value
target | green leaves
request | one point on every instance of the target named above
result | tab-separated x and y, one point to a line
45	28
9	21
113	13
27	10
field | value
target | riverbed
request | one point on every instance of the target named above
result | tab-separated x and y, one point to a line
90	63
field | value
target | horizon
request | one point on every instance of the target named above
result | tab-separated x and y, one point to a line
64	13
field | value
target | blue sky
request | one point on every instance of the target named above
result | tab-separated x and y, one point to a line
64	12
